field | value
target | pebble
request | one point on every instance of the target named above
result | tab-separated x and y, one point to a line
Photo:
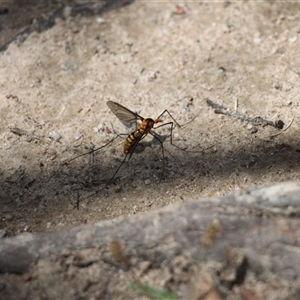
134	209
147	181
26	228
2	233
254	130
293	39
100	20
277	86
78	136
8	217
54	136
51	152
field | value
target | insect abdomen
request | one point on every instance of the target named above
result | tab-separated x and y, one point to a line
145	127
131	139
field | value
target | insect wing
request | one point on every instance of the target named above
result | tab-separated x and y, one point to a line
126	116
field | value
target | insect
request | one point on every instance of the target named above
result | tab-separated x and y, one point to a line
144	126
130	118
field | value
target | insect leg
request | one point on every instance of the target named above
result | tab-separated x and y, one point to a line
180	126
171	134
91	162
94	150
111	179
161	143
129	153
166	111
172	127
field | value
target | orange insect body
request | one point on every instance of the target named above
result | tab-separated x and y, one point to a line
134	137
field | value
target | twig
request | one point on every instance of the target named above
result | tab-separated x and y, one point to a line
286	128
20	132
219	109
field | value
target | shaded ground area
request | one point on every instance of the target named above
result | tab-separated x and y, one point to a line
148	57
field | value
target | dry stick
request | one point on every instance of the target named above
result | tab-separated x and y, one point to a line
20	132
280	132
219	109
285	129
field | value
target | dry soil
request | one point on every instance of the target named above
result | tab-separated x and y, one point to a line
147	56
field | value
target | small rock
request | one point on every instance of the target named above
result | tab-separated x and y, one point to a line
254	130
249	126
257	40
8	217
2	233
147	181
152	75
100	20
293	39
54	136
134	209
277	86
78	136
51	152
26	228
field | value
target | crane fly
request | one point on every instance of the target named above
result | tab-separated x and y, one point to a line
144	126
129	118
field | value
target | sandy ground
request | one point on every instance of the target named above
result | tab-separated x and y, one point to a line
148	57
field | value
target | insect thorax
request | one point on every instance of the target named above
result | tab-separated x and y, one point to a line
147	124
